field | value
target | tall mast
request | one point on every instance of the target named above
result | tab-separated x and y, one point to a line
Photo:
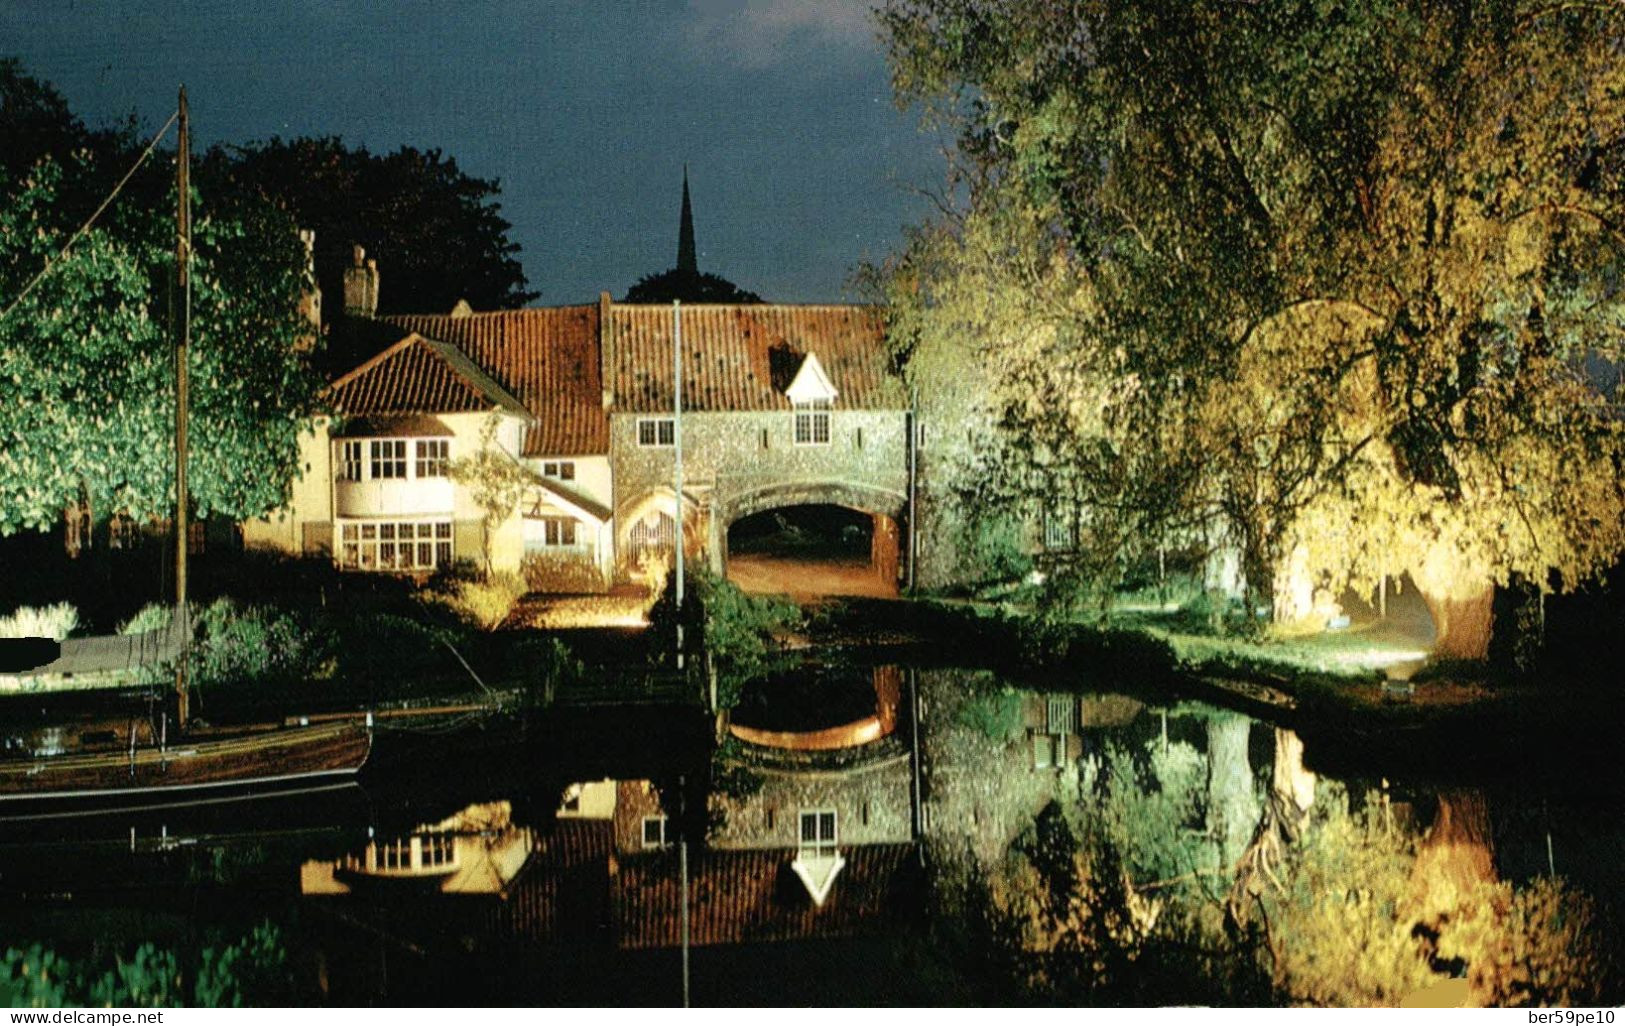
183	330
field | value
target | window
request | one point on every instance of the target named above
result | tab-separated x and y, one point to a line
394	545
818	829
431	457
560	470
812	422
350	462
654	831
388	458
656	431
558	532
1057	532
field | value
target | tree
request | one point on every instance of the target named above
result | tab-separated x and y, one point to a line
1349	259
495	481
437	232
86	366
689	287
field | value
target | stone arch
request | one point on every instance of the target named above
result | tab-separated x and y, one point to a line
884	506
864	498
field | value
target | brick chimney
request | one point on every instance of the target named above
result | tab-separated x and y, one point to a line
361	286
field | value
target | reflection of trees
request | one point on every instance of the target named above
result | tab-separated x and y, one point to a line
1232	808
1176	877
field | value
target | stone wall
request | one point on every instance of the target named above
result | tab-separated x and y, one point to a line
872	805
737	464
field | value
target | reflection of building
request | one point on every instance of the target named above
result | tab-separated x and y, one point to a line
477	851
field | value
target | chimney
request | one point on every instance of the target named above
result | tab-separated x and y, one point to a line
361	286
310	300
606	367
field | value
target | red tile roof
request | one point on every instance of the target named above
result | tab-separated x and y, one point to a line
548	357
737	897
417	376
743	357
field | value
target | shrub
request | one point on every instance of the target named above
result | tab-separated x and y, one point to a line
485	603
997	550
154	616
996	716
251	645
389	648
55	622
563	574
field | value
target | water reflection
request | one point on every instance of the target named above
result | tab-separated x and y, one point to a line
1024	843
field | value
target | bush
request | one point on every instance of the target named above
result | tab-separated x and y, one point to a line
485	603
154	616
252	646
996	716
252	970
562	574
390	649
55	622
998	550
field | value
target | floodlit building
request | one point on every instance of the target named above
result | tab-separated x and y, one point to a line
544	441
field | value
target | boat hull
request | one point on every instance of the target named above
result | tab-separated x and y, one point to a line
193	764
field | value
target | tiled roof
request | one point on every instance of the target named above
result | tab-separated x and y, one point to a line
408	425
548	357
743	357
563	891
419	375
738	897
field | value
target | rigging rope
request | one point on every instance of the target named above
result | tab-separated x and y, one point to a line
51	263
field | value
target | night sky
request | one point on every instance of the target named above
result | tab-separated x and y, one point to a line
800	165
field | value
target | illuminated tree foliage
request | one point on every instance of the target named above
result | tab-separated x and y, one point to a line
86	366
1333	272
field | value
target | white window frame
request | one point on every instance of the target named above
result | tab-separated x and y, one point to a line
643	833
430	456
555	530
352	459
383	546
819	842
811	425
559	470
661	432
387	454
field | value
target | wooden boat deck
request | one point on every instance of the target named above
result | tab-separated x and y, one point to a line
203	760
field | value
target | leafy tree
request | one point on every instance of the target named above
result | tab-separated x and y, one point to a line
689	287
495	481
86	365
34	121
438	233
1343	263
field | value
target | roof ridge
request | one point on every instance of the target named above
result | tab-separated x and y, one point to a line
371	362
477	377
520	311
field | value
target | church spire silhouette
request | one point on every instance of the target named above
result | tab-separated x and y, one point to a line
685	233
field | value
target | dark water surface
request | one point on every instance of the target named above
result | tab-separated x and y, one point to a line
558	879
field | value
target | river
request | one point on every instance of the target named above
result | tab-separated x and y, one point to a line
868	835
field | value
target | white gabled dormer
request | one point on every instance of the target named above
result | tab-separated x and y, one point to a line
811	395
811	385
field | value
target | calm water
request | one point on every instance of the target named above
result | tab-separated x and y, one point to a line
499	865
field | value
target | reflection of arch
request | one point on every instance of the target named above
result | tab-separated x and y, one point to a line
888	683
864	498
